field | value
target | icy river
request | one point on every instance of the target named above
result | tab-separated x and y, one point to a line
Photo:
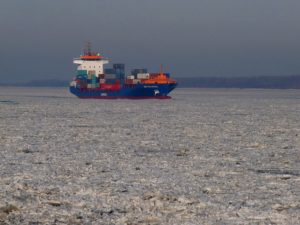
206	156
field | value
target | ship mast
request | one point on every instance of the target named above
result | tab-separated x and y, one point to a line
161	69
88	49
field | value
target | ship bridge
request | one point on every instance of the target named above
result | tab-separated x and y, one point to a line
91	61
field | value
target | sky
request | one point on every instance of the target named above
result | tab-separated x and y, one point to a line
191	38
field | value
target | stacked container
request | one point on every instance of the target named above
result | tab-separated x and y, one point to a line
110	81
94	81
143	76
115	76
130	77
119	70
110	76
81	72
91	79
110	71
137	71
136	81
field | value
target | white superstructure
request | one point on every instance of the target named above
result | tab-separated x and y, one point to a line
91	64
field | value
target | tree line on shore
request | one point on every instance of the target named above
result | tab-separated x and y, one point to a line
271	82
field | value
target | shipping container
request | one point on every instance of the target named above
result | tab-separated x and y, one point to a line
83	85
119	66
112	87
143	76
83	77
92	77
109	71
110	76
136	81
110	81
89	85
81	72
129	81
95	85
136	71
79	82
91	72
102	81
130	77
121	76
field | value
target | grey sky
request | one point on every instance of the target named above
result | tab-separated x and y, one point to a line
39	38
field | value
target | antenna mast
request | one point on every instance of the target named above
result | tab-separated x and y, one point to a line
161	69
87	50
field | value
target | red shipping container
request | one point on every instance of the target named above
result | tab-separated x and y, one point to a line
112	87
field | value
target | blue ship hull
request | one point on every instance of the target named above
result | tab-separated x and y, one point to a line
136	91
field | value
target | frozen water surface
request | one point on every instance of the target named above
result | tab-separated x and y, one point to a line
207	156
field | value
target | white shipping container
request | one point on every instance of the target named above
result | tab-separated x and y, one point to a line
143	75
89	86
130	77
102	81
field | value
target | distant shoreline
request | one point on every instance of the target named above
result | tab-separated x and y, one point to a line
258	82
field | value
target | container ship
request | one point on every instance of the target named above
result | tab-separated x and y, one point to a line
95	81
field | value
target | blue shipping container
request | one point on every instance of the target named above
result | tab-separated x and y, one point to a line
110	71
81	72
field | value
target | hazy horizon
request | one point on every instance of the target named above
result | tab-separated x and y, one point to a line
193	38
